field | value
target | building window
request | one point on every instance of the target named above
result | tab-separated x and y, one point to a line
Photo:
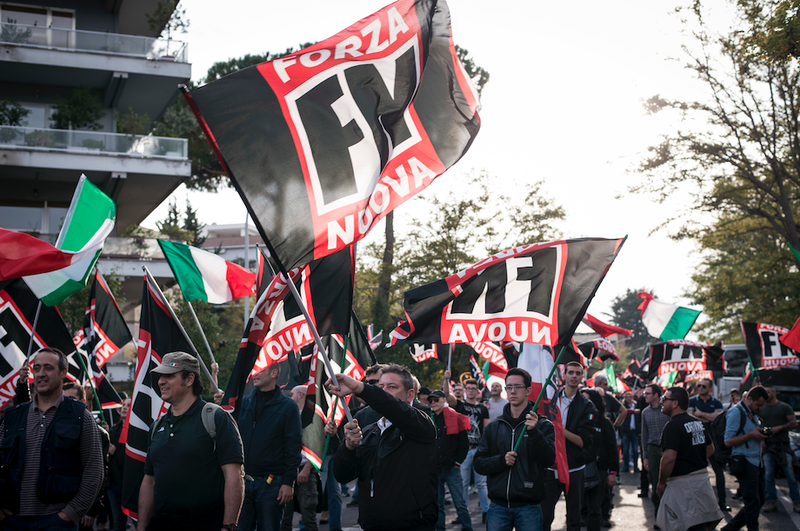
43	17
39	219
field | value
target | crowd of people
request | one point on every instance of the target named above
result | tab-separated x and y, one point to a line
406	448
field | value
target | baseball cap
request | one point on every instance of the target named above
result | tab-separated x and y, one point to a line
177	362
437	394
424	391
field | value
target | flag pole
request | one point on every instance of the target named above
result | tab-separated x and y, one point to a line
202	333
542	392
449	356
91	384
33	331
335	403
180	327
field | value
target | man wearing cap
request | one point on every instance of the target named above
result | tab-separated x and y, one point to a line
191	480
452	446
273	438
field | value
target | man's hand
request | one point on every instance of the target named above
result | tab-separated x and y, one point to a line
285	495
111	449
447	374
87	521
660	488
218	397
23	372
346	386
64	517
511	458
302	477
531	420
612	480
214	372
646	464
352	435
330	427
757	435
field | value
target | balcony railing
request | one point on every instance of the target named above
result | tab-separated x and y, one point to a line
94	142
94	42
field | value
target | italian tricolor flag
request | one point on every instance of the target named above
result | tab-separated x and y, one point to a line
664	320
89	220
204	276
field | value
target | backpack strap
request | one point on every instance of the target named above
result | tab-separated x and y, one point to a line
155	426
207	416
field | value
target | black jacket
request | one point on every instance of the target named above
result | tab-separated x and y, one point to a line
451	449
607	453
523	483
396	470
581	419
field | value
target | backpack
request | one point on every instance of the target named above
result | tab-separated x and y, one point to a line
206	415
717	430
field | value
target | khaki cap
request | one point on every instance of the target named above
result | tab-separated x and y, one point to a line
177	362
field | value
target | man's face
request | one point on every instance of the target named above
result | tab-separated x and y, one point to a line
735	398
47	378
573	376
458	391
393	384
436	403
602	384
265	380
667	403
756	405
299	397
73	393
173	387
651	397
373	378
628	397
496	389
771	393
472	391
126	405
516	391
704	387
423	398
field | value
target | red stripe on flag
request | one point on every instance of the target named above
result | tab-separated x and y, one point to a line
240	280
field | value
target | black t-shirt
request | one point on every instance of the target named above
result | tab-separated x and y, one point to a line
612	406
476	413
181	456
688	437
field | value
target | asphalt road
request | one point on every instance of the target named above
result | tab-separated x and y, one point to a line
630	512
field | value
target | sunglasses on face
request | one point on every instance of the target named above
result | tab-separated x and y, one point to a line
432	399
664	398
372	382
702	385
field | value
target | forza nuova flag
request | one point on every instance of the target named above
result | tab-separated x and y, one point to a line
535	293
493	354
664	320
104	329
107	395
324	142
89	220
604	329
159	334
205	276
600	349
424	351
17	312
766	349
680	355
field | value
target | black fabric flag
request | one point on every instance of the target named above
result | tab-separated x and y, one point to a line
263	274
104	329
324	142
277	327
106	394
535	293
683	356
159	334
477	373
17	312
428	351
600	349
491	352
766	351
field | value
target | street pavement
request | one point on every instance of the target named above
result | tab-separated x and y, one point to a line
630	512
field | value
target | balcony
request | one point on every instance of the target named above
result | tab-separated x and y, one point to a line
93	142
94	42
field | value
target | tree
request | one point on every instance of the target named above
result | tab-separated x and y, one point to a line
132	123
193	226
79	109
12	113
168	18
476	73
187	228
625	312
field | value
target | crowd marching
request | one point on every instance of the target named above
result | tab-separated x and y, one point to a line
406	447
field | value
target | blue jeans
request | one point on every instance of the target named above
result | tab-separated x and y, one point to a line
115	501
630	448
770	461
452	477
334	496
480	481
35	523
260	510
525	518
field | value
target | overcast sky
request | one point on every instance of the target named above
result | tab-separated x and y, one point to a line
564	104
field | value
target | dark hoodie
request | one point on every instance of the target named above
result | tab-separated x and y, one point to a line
523	483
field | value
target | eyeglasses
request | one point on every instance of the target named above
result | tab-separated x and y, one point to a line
432	399
665	397
702	385
515	388
372	382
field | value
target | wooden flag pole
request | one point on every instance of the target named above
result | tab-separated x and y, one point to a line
153	283
541	393
202	333
33	332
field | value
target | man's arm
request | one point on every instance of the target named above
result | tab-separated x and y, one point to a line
623	414
541	441
145	509
462	448
791	422
667	464
292	448
451	400
92	477
573	438
234	492
485	462
584	431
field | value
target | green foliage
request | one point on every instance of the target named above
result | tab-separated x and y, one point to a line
91	143
192	225
774	33
625	312
186	228
12	113
13	34
168	18
80	108
223	68
39	138
132	123
477	74
74	308
747	274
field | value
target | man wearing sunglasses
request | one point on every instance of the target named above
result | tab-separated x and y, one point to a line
706	408
516	480
452	444
687	499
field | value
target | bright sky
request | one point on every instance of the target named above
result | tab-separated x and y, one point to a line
564	104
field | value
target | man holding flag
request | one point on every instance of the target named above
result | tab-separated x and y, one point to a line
516	480
578	416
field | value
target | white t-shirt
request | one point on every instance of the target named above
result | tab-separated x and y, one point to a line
496	407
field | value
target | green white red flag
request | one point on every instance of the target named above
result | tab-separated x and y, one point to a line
664	320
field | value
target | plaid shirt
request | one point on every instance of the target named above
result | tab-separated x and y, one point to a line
653	422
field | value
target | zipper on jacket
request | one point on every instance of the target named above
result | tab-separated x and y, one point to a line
508	485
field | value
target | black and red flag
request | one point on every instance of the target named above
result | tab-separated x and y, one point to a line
631	375
535	293
425	351
277	327
600	349
107	396
104	329
765	348
494	355
604	329
263	273
477	373
324	142
375	339
17	312
159	334
681	355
